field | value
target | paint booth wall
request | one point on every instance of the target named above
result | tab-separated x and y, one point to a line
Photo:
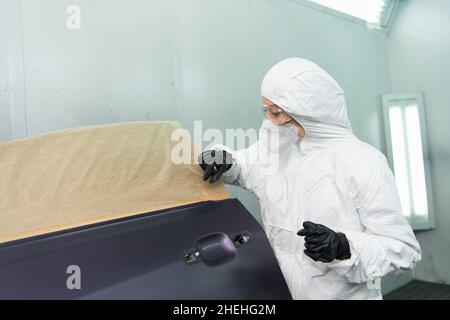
419	47
5	101
176	60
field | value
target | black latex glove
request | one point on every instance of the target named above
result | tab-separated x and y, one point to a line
323	244
214	163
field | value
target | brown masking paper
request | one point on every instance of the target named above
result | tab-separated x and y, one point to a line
81	176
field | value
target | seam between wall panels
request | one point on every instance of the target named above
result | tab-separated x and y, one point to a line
18	105
275	28
23	68
178	64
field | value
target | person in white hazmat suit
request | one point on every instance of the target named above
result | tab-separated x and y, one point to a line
331	210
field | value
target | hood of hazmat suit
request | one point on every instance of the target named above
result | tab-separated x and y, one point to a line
332	178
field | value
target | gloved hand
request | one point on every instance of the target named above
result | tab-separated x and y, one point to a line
323	244
215	163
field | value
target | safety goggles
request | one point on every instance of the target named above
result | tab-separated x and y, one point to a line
272	108
275	114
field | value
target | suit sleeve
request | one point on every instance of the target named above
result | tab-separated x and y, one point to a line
388	244
247	170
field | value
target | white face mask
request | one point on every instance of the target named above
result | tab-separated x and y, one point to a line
277	139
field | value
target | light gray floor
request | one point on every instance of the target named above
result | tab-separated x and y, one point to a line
420	290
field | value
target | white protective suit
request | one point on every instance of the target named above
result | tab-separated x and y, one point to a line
332	178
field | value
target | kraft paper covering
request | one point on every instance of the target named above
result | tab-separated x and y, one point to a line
81	176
